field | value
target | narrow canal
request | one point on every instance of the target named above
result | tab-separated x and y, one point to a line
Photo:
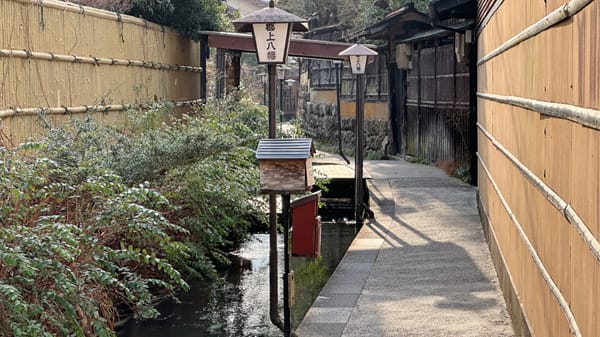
238	304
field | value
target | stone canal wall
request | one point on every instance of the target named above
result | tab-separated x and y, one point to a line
319	121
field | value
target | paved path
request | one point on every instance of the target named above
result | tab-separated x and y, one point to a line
420	268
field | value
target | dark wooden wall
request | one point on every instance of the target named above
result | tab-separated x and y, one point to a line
437	105
290	101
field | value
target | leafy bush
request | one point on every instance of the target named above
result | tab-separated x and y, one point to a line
202	162
186	16
76	243
353	15
84	237
120	6
214	181
217	201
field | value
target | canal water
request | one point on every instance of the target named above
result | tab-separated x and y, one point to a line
238	304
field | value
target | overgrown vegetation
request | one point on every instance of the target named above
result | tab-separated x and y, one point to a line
419	160
186	16
76	243
97	221
329	146
310	277
353	15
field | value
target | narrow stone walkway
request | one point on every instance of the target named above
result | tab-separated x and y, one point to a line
420	268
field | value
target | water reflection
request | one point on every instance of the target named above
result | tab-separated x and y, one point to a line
238	305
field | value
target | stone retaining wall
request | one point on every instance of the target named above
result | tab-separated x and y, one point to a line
319	121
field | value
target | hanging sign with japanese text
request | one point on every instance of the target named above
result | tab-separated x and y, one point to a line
272	41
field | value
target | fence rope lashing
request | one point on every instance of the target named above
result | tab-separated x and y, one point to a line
27	54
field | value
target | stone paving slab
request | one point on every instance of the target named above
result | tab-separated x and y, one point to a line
420	268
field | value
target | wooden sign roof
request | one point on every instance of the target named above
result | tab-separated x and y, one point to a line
285	148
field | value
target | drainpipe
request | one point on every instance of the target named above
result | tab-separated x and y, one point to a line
285	215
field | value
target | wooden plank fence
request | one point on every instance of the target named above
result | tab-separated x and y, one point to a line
539	159
60	60
438	98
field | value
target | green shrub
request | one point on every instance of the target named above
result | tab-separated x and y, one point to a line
84	237
218	203
216	191
188	17
75	243
310	277
203	162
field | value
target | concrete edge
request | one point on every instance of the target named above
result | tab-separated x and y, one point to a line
339	319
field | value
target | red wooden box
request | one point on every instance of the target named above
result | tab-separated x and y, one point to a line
306	226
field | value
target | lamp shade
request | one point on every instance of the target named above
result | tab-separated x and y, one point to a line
281	71
358	63
270	15
272	41
358	55
271	28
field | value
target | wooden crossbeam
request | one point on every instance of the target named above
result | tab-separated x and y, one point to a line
298	47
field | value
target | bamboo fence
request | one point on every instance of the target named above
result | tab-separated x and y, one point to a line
59	59
538	107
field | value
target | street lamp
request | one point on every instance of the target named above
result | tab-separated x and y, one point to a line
358	55
281	69
271	30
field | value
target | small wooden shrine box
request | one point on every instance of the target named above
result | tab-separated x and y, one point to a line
285	165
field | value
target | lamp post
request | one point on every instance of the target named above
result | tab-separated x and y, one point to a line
271	30
281	69
358	55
